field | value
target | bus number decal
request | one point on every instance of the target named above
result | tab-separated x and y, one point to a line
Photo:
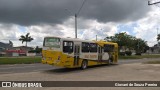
93	56
86	56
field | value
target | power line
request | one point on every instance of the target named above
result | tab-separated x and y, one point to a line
81	6
76	14
149	3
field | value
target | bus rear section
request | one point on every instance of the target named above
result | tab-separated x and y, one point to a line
57	52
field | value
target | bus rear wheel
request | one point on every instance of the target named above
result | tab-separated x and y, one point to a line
84	64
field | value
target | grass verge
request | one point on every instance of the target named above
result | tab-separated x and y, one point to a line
139	57
17	60
152	62
29	60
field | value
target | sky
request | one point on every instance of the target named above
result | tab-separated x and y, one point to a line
103	18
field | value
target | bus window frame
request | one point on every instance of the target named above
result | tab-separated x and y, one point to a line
93	51
84	48
69	51
44	41
109	50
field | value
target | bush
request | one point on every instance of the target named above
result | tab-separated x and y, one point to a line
138	54
122	53
32	51
128	53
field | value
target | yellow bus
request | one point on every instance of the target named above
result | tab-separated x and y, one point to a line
72	53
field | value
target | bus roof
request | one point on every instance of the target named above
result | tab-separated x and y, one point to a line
101	42
72	39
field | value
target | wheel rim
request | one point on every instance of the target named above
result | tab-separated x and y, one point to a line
109	61
84	65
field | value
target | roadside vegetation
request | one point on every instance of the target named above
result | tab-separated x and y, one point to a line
19	60
127	43
30	60
139	56
152	62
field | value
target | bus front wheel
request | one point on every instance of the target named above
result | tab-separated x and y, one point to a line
84	64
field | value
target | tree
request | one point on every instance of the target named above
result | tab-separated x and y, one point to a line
140	46
26	38
158	37
128	41
123	39
38	50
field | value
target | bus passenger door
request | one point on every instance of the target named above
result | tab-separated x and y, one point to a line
76	54
99	54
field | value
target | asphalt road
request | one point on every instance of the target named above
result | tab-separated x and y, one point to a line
21	68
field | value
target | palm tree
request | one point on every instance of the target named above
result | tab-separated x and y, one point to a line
25	38
158	37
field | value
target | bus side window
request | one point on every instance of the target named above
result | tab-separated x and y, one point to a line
108	48
85	47
67	46
93	47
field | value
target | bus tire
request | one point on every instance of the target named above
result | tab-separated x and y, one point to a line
110	61
84	64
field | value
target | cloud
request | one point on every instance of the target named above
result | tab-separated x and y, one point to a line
35	12
10	32
147	26
102	30
98	17
85	31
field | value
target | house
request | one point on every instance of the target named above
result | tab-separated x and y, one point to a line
155	49
20	51
4	47
7	49
15	53
24	48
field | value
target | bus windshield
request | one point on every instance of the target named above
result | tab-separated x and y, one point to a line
52	42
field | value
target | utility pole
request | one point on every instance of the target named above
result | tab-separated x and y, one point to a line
75	25
96	37
76	15
138	44
157	31
149	3
157	36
